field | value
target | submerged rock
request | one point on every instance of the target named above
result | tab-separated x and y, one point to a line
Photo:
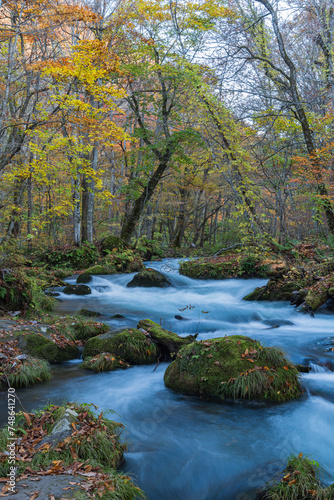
149	278
169	342
131	345
88	313
233	367
77	290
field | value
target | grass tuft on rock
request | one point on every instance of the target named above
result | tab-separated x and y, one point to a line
104	362
300	480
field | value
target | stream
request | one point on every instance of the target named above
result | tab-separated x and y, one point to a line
184	448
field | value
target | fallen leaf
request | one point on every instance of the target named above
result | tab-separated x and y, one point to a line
292	482
26	416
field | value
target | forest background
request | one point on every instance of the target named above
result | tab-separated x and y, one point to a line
190	123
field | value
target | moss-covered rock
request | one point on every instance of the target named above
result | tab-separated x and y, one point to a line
319	293
86	329
233	367
149	278
104	362
309	283
133	346
300	480
169	342
111	243
84	278
89	313
77	290
43	347
231	265
98	269
123	261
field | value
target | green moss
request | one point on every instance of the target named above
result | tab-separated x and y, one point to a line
86	329
169	342
113	242
96	270
133	346
40	346
28	372
233	367
300	480
104	362
231	265
149	278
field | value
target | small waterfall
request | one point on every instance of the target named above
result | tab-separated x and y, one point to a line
315	368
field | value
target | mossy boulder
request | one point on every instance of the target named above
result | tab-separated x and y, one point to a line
149	278
233	367
98	269
111	243
231	265
132	345
169	342
77	290
104	362
319	293
84	278
86	329
43	347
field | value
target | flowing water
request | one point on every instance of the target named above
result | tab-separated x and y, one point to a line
185	448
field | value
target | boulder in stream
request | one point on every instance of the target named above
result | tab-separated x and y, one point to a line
84	278
236	367
169	342
149	278
77	290
131	345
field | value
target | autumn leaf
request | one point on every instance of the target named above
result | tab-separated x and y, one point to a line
292	482
28	420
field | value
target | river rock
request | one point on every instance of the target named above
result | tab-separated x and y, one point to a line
84	278
77	290
149	278
131	345
235	367
42	346
169	342
89	314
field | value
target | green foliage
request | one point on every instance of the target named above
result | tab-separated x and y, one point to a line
149	249
300	481
70	256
